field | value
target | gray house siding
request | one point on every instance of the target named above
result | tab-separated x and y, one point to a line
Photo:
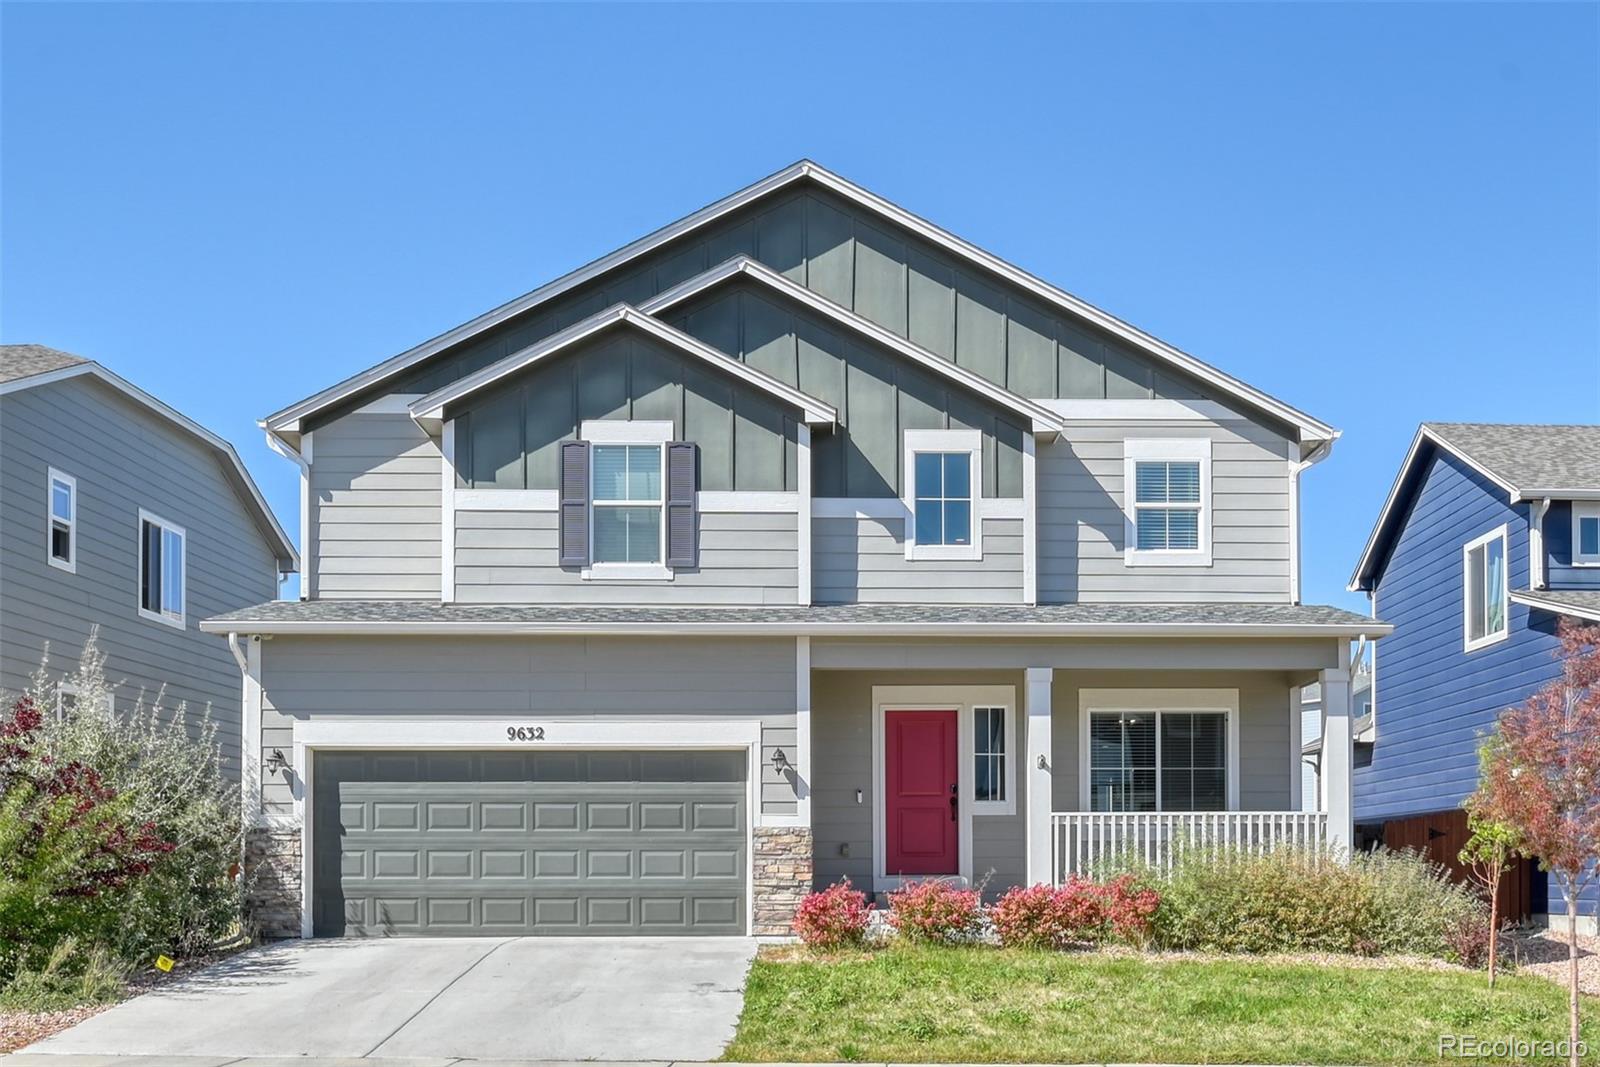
887	275
841	760
124	458
432	678
878	393
863	561
510	437
1266	702
512	557
1081	522
375	510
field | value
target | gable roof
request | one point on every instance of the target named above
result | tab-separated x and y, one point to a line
430	408
24	361
1529	461
1040	417
289	419
1581	603
30	366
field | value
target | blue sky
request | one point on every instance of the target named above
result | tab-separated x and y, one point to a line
1380	213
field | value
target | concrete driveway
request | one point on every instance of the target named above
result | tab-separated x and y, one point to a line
472	998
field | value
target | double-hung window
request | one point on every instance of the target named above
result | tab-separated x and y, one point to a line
993	760
943	474
627	497
162	553
1159	750
1586	534
1167	484
62	534
1485	589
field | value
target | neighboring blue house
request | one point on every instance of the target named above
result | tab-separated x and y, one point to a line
1490	534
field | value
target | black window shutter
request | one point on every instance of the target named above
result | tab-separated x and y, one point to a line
682	518
574	518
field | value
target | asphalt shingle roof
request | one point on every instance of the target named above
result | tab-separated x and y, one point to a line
1529	457
24	361
888	616
1583	602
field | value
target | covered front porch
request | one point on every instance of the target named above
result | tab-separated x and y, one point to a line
1011	762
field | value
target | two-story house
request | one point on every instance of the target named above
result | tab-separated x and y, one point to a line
119	513
796	540
1490	535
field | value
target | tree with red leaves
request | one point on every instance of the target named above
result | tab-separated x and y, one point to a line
1542	778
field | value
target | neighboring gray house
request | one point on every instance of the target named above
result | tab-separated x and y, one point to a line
118	512
799	539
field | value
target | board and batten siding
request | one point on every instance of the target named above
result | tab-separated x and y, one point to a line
887	275
1081	522
574	678
375	510
863	561
124	458
512	557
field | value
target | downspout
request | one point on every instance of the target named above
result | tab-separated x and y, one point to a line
1296	468
301	458
238	655
1536	556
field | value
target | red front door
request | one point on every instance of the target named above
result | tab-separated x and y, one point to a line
920	804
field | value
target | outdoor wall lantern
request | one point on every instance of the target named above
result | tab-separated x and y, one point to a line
276	762
779	761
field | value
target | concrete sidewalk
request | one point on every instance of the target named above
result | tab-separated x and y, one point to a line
38	1059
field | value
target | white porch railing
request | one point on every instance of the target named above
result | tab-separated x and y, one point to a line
1082	841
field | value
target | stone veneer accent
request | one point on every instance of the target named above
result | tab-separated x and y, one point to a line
272	880
782	877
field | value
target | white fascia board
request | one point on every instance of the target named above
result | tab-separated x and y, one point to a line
1423	436
1041	418
285	547
288	419
1557	607
431	407
735	628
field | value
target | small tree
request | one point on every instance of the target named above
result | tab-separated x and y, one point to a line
1542	778
1494	844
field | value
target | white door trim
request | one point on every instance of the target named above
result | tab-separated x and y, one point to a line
436	734
960	700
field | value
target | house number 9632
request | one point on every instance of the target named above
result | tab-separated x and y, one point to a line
524	733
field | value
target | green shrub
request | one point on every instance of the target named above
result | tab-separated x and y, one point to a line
1299	900
136	851
69	977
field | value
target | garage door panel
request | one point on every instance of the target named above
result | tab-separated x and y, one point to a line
519	843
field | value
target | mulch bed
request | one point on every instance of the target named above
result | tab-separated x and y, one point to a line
1545	954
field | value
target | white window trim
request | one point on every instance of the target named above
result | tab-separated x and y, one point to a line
70	564
1180	701
1580	510
1168	449
1468	643
647	433
968	441
959	699
1007	805
178	621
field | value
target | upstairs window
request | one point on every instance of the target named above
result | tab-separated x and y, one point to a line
162	549
627	504
1168	491
62	535
1586	535
942	475
1486	590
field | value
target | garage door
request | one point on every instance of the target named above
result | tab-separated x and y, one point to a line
494	843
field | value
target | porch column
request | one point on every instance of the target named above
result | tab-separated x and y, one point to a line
1338	754
1037	773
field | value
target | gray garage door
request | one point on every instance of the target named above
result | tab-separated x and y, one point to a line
458	843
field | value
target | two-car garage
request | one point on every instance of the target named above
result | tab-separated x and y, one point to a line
513	841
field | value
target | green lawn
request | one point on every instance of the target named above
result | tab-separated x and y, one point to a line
977	1005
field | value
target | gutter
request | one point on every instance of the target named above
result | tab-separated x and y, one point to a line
820	629
1536	554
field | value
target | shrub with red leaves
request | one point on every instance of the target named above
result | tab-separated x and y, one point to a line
836	917
1078	912
1130	909
935	910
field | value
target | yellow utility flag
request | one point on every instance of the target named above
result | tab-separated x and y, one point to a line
164	964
